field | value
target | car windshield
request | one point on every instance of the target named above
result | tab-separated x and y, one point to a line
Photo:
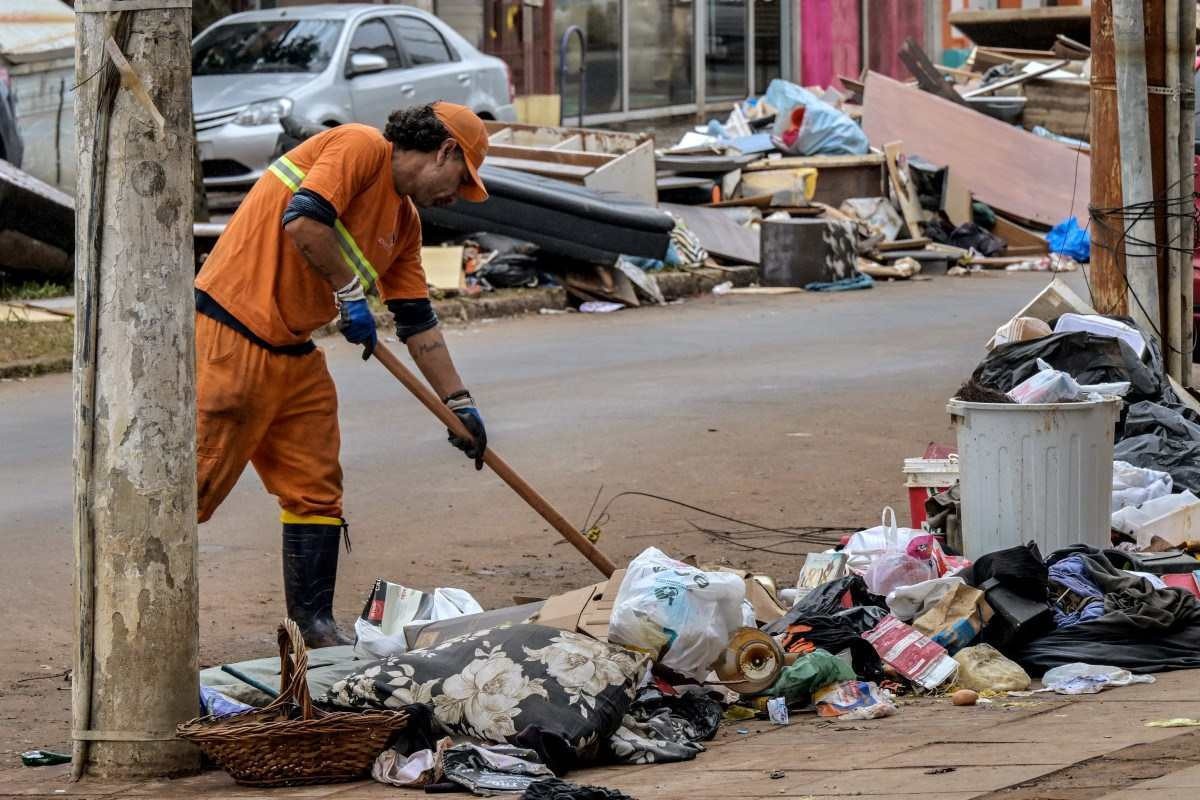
286	45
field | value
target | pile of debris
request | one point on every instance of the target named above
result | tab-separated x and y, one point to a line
991	585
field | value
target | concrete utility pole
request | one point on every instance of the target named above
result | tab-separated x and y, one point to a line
1137	173
135	409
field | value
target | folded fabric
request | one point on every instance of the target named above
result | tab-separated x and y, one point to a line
1142	630
555	789
496	768
859	281
1071	574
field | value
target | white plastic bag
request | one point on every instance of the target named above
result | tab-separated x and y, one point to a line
909	602
1081	678
1133	486
865	546
372	642
893	567
670	608
1049	385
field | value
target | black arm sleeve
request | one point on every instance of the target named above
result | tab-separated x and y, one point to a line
412	317
305	203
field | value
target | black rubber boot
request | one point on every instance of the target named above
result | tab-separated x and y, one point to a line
310	558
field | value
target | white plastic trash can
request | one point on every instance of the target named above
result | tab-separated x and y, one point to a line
1039	472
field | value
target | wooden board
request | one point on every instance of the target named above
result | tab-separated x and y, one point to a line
819	162
902	244
718	232
1021	242
443	267
1008	168
765	290
903	188
957	200
1058	105
1023	27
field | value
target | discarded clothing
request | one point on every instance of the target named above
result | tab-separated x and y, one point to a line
555	789
216	704
496	768
1075	591
834	633
1143	629
849	284
662	728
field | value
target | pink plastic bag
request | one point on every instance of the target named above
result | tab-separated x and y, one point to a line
895	567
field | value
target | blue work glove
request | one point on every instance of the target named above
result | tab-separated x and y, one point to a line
355	320
464	408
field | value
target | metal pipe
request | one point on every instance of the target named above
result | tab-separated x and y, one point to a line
563	44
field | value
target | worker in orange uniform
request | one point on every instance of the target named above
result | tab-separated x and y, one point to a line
330	222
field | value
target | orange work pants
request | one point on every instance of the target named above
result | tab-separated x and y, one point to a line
278	412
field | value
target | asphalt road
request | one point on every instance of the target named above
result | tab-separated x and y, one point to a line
792	410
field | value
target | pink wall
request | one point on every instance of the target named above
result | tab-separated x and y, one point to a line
890	22
829	41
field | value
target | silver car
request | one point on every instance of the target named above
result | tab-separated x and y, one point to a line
326	64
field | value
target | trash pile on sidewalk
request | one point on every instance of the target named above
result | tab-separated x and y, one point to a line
1033	550
819	189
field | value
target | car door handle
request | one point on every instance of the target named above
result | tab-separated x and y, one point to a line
463	77
408	90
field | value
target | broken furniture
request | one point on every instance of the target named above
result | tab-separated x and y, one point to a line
796	252
562	218
606	161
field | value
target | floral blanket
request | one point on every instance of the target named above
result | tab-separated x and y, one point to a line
494	684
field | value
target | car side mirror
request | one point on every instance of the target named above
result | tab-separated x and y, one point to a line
363	63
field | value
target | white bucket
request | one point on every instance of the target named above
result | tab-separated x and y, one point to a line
1039	472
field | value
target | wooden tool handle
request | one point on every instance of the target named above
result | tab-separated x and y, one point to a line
490	457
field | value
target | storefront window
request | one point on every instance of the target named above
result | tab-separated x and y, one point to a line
768	42
661	35
601	24
725	51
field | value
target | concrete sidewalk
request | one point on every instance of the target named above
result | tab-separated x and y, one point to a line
1046	746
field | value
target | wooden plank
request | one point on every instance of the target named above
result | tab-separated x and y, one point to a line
765	290
1015	79
1021	242
903	188
1023	27
1061	106
786	187
718	232
1008	168
957	200
867	159
927	75
902	244
548	168
631	173
575	158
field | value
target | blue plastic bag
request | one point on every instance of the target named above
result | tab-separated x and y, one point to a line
1069	239
825	130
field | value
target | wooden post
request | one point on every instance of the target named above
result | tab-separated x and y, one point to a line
135	410
1137	171
1107	269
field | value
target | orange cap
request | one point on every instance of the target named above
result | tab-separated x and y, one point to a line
467	129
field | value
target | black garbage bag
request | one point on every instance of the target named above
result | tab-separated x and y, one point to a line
1019	569
1142	630
1085	356
822	620
828	599
1171	420
1178	457
510	271
968	236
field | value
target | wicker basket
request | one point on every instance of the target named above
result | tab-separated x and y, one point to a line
290	743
